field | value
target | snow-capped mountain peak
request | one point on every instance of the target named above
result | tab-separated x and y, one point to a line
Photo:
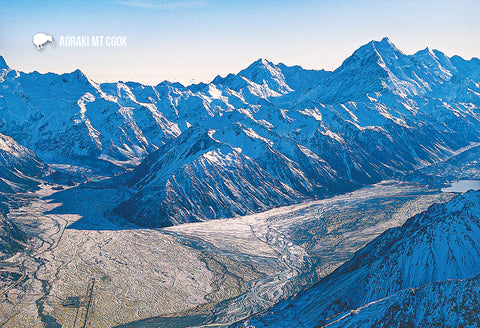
17	165
384	52
436	61
261	73
267	80
3	64
380	67
77	76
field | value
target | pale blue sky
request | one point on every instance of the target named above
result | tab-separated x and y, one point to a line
194	40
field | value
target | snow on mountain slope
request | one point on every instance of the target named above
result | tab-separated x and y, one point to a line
16	157
439	244
381	94
239	166
262	75
201	178
18	165
266	80
19	168
448	303
379	66
69	118
404	89
382	113
468	69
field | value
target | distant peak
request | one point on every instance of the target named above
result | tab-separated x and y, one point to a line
259	70
385	43
76	75
261	62
80	75
425	51
167	83
3	63
431	56
76	72
384	49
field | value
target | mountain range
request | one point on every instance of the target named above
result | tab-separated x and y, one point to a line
267	136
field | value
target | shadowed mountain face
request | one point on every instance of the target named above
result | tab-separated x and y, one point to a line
448	303
12	238
19	168
404	276
267	136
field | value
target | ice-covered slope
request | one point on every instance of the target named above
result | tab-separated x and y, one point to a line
202	179
416	108
448	303
379	66
439	244
265	80
18	166
69	119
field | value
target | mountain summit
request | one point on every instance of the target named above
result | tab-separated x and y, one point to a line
383	49
380	68
3	63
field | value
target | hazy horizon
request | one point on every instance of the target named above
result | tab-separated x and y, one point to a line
192	41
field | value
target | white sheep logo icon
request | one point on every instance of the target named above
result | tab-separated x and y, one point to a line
40	39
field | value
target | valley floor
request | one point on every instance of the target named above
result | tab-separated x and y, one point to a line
214	272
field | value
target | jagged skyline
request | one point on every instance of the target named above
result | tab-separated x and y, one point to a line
192	41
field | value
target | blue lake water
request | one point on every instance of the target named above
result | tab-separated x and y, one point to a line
463	186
